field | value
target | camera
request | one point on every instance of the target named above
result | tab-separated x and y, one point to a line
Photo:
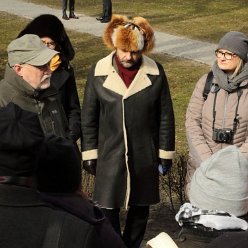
224	135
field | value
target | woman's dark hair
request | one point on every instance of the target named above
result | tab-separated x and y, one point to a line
50	26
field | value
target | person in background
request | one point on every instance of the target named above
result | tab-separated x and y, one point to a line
71	9
221	119
26	78
31	218
127	126
107	12
52	32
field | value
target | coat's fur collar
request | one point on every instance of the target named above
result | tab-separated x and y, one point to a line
113	81
104	66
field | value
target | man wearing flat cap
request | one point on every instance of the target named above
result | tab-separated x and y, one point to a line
127	126
26	77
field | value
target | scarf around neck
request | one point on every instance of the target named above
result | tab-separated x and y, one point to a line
225	82
127	74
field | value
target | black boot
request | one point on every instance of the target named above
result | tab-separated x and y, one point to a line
72	15
72	8
65	17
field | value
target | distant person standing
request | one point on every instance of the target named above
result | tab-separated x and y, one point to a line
107	12
71	9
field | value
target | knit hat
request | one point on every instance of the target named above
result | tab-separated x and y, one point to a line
129	35
29	49
221	183
162	240
235	42
58	166
48	25
20	138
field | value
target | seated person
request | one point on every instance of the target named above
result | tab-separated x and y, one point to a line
218	198
221	183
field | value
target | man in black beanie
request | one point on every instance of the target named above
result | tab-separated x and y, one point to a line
29	219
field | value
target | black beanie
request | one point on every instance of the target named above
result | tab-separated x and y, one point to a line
48	25
235	42
20	139
58	166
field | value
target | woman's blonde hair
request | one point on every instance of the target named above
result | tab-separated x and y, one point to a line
238	68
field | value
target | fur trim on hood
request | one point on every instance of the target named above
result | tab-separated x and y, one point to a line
129	35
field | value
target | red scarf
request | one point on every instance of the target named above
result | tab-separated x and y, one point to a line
127	74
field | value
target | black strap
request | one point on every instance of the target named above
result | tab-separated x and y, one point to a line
53	231
20	181
236	120
208	85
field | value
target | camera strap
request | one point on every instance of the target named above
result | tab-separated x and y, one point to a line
235	120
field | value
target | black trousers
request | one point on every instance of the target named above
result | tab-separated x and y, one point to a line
71	5
107	9
135	226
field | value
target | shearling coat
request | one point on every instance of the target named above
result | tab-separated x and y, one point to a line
45	103
199	123
127	130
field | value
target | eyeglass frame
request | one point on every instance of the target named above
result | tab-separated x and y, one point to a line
51	44
223	54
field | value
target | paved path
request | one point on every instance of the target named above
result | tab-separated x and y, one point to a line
165	43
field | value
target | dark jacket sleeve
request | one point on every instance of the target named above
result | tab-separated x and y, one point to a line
90	115
167	122
72	107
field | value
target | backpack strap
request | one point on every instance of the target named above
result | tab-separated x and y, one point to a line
208	85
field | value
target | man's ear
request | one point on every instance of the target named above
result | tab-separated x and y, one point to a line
17	68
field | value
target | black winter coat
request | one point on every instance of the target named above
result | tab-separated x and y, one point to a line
25	218
127	130
63	80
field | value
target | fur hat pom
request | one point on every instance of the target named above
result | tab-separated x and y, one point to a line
129	35
116	20
148	33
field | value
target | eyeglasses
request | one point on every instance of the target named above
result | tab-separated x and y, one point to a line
50	44
227	55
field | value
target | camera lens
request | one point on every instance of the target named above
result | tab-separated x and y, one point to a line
225	137
222	136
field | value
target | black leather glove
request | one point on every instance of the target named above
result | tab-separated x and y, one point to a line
166	165
90	166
